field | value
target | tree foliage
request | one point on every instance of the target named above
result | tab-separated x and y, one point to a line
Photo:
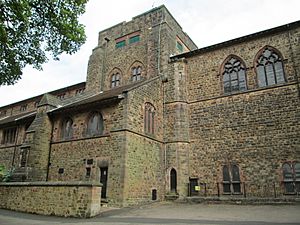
31	28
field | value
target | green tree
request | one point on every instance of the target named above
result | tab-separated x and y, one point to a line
31	28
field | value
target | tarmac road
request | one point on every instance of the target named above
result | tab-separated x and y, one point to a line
171	213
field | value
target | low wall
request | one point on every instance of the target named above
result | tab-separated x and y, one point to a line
75	199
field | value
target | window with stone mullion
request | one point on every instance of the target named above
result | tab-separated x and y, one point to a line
234	76
115	80
136	73
231	179
269	68
291	177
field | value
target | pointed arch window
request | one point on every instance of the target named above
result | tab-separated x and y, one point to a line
95	124
234	75
269	68
67	129
291	177
231	179
115	80
149	118
136	73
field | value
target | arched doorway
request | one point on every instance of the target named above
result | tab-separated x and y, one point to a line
173	180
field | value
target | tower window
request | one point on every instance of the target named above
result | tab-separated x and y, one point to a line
115	80
134	39
136	73
120	44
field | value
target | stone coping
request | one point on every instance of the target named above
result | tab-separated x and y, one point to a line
53	183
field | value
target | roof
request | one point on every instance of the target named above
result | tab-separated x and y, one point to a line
249	37
49	99
38	97
16	118
110	95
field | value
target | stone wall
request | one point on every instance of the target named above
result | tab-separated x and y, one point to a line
72	158
69	199
144	151
144	171
257	129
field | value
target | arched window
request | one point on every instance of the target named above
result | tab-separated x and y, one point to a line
231	179
136	73
269	68
226	180
95	124
149	118
236	182
67	129
291	177
234	75
115	80
173	180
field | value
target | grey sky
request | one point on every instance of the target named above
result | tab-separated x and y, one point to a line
206	21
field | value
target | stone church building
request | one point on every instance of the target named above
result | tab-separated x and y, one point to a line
159	117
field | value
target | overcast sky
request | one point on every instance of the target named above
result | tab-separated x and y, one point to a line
207	22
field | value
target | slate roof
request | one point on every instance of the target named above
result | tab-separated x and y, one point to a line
249	37
16	118
89	98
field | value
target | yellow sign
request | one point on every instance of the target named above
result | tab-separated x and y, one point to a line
197	188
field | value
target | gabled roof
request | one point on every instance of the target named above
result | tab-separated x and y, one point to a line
49	99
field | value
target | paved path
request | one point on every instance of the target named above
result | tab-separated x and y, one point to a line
171	213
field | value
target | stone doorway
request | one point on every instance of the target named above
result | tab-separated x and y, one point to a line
173	181
103	180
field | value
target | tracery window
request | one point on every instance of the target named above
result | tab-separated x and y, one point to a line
67	129
149	118
115	80
291	177
136	73
269	68
231	180
95	124
234	75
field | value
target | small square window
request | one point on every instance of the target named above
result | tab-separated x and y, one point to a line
61	170
89	161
